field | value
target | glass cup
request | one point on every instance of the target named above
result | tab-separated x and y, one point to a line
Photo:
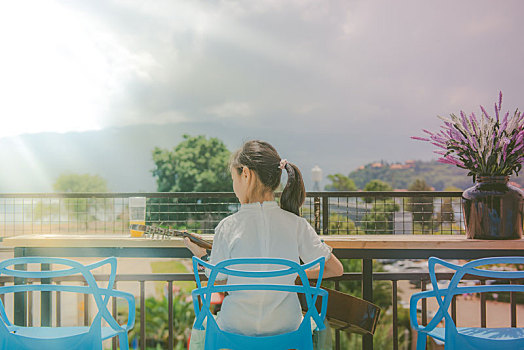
137	214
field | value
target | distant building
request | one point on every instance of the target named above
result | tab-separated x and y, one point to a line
408	164
376	165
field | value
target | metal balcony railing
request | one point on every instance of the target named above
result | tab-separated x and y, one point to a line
169	279
329	212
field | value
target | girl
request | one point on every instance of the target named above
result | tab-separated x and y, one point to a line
263	229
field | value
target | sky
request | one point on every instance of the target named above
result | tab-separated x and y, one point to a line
334	68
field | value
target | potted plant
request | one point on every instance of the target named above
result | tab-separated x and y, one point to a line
491	148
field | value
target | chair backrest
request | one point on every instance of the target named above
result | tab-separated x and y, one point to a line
101	296
444	296
281	267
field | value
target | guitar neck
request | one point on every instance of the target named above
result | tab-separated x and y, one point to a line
192	237
155	230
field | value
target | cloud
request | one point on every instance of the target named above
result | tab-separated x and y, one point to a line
230	110
337	68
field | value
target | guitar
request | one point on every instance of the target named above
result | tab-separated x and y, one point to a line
344	312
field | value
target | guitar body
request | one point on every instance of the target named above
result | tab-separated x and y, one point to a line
348	313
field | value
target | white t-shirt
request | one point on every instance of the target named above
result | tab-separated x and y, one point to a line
264	230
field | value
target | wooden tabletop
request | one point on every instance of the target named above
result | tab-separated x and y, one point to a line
345	242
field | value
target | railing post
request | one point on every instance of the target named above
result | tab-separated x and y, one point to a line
513	303
337	331
367	294
29	308
45	297
325	215
20	298
424	310
170	313
115	314
58	309
483	323
395	315
86	307
142	315
316	213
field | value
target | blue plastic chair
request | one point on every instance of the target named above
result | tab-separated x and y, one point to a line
299	339
467	337
89	337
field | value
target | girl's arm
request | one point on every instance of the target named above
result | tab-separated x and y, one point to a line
332	268
197	251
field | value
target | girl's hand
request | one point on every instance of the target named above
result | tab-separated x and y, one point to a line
195	249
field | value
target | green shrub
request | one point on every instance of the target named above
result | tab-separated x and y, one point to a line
157	326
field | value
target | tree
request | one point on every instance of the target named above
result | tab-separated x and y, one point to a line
421	207
82	210
340	182
341	225
381	218
196	164
80	183
447	213
376	185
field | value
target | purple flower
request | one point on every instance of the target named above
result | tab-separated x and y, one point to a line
474	123
457	135
484	111
437	138
444	160
420	138
439	145
464	121
505	120
504	149
473	119
519	137
517	148
475	143
450	160
459	140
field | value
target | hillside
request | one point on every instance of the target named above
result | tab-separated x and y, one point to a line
400	176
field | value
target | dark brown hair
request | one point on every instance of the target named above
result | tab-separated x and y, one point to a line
264	160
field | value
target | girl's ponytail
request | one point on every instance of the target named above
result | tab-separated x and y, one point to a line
294	193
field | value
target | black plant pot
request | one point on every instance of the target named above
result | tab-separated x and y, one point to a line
493	209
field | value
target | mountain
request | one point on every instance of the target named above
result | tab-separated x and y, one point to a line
400	176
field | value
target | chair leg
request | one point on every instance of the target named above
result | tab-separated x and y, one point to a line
421	341
123	341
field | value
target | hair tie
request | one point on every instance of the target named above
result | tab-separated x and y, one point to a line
283	163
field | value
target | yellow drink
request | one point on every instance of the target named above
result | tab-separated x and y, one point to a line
137	233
